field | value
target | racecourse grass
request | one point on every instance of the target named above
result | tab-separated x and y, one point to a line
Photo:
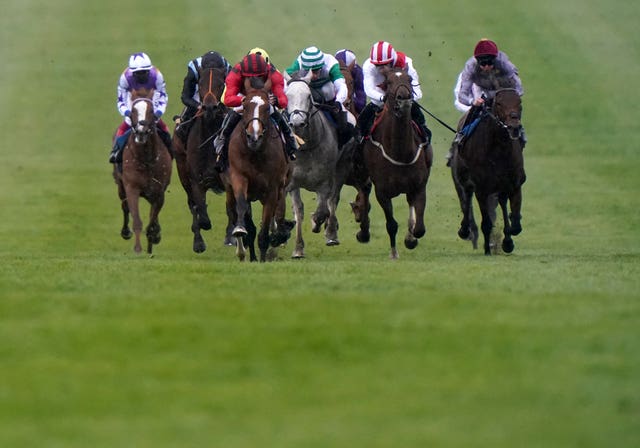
444	347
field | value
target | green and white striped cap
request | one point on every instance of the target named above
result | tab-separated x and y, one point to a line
312	58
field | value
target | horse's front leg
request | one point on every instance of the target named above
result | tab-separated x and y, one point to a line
515	201
153	228
133	198
125	232
486	202
269	207
321	214
415	227
392	224
507	242
298	215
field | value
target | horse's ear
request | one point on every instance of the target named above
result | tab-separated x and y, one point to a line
350	66
307	78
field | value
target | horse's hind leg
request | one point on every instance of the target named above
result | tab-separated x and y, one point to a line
322	212
361	210
298	215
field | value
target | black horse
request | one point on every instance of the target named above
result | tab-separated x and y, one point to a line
490	164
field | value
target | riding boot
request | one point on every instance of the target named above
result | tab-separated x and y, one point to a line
184	123
344	128
220	142
118	146
365	121
290	145
418	118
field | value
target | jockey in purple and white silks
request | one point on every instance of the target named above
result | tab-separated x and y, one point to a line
140	73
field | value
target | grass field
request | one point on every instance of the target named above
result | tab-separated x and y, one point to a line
444	347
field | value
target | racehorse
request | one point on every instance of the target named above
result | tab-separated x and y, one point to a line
397	161
257	172
490	164
320	167
145	171
195	162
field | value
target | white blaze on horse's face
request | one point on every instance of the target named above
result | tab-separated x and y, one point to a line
259	102
141	108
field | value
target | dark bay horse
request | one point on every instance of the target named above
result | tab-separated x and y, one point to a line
396	160
490	164
195	162
320	166
146	171
257	172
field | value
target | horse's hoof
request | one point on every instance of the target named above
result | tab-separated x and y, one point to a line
463	233
239	232
363	237
297	255
126	234
516	229
204	222
332	242
411	243
199	247
229	241
507	246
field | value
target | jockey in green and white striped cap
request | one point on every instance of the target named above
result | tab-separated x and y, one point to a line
326	76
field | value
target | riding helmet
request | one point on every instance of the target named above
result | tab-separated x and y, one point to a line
312	59
139	62
261	52
485	47
253	65
382	53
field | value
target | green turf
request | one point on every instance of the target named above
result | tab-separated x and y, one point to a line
444	347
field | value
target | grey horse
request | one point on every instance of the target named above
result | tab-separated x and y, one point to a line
320	167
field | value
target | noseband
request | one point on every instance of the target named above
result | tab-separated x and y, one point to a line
142	129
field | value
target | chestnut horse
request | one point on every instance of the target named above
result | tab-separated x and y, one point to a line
257	172
490	164
196	162
396	160
146	171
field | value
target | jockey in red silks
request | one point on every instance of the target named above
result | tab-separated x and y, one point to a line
383	54
255	64
140	73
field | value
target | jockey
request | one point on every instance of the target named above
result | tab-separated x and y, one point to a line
190	95
327	87
255	63
382	55
140	73
347	57
488	70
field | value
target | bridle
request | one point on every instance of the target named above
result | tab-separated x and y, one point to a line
306	114
142	129
500	122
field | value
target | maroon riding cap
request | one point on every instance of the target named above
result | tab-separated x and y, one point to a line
486	47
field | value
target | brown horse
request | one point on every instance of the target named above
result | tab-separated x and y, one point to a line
146	171
490	164
195	163
348	78
396	160
257	172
